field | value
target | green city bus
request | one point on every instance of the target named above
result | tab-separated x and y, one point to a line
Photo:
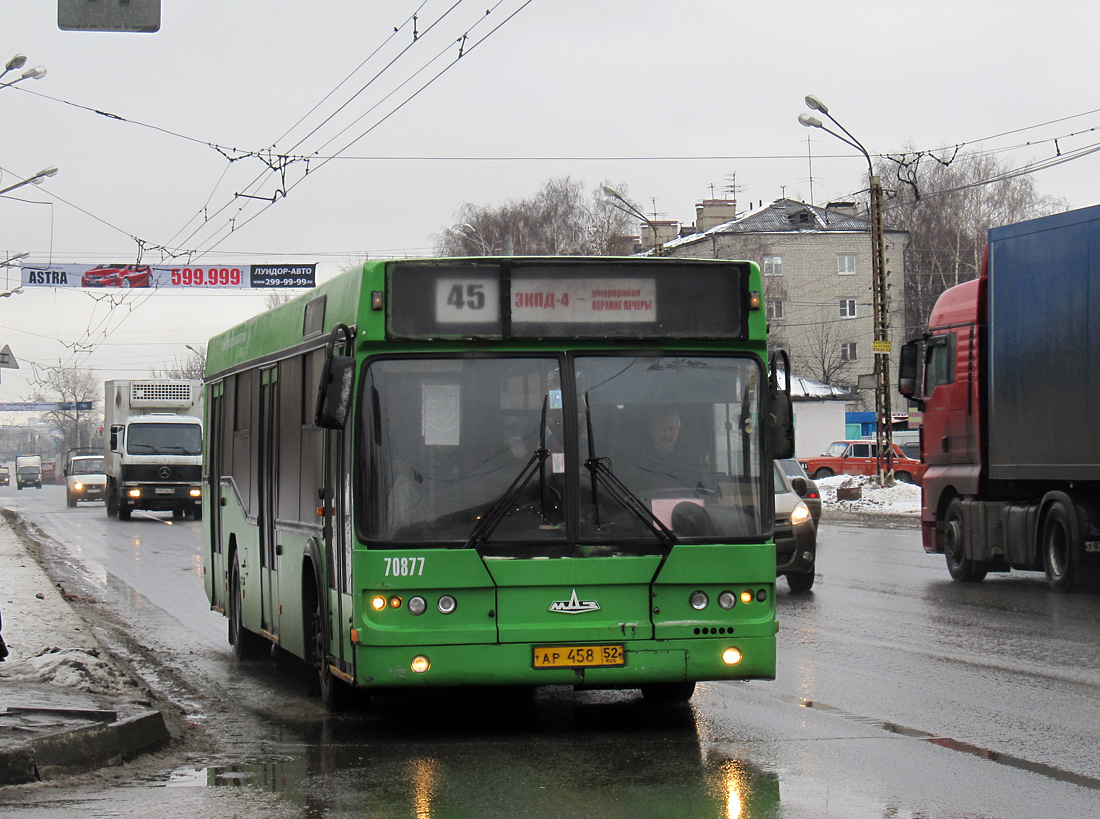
501	471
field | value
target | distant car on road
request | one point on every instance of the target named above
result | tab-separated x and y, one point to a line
5	476
859	458
117	275
795	533
812	496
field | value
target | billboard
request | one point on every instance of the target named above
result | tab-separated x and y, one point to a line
187	277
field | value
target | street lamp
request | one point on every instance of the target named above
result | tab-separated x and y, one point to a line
16	62
33	180
884	435
619	202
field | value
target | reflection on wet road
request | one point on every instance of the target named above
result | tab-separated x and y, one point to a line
899	694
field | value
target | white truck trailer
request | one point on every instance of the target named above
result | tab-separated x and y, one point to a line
153	457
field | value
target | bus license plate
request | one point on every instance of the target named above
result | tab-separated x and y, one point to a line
606	656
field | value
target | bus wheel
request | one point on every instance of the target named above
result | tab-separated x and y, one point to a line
959	565
677	693
247	645
334	693
1059	547
800	582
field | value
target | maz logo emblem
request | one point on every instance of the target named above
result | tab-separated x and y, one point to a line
574	605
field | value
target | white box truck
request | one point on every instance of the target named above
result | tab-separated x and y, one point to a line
153	457
28	471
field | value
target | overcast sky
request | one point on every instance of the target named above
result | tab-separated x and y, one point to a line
676	101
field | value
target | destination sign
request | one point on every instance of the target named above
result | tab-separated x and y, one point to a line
568	299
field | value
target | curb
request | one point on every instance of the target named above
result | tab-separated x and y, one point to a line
83	749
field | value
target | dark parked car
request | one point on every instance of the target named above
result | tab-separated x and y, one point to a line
117	275
795	534
793	469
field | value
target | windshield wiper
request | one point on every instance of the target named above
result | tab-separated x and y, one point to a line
492	519
620	491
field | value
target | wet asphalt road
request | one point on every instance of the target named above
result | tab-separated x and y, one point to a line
899	694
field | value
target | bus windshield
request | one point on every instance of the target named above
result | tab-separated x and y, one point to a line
497	451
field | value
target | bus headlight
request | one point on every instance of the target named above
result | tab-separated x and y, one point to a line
447	604
698	600
417	606
727	600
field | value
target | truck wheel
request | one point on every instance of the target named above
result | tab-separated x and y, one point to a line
111	501
1059	547
955	544
124	512
70	499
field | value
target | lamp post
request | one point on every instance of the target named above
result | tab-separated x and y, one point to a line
884	435
33	180
17	62
619	202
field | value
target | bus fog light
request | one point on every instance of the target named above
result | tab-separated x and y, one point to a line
746	596
447	604
417	605
731	656
727	600
420	664
698	600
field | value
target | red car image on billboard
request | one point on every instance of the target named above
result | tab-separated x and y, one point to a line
117	275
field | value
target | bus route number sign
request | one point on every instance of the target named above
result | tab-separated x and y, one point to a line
467	301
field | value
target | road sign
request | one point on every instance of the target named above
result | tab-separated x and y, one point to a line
131	15
7	359
880	347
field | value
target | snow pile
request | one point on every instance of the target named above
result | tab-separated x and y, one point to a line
83	669
900	499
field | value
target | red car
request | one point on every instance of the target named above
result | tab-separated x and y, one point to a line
117	275
859	458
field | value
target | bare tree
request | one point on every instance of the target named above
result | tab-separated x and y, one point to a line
71	386
189	365
559	220
947	203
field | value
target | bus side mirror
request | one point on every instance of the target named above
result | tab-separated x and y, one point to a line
780	408
335	390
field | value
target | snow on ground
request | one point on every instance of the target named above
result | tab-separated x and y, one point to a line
900	499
